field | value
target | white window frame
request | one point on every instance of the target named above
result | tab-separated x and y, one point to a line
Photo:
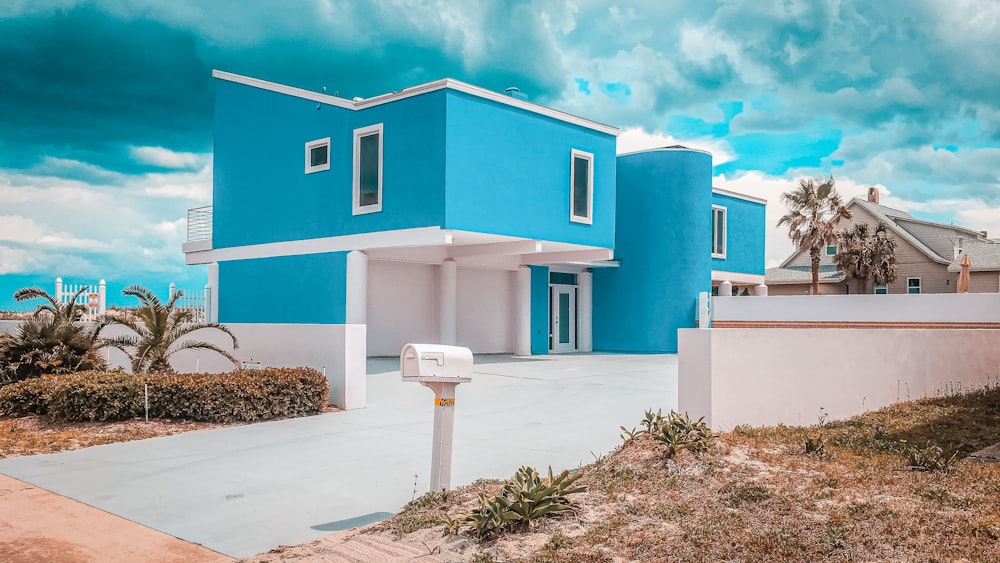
886	286
589	157
725	231
309	147
834	247
358	209
920	286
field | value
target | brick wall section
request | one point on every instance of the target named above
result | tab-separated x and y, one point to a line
854	324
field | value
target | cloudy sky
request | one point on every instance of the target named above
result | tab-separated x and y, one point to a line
106	106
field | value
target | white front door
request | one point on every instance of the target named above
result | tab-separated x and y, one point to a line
562	325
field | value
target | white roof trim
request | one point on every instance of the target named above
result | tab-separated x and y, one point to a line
737	195
666	149
448	83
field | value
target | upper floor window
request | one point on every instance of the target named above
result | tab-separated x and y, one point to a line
368	169
913	285
831	250
581	180
318	155
718	231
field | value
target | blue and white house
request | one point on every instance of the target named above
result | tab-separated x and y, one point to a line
448	213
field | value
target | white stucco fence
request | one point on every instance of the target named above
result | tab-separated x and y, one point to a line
941	307
780	359
276	345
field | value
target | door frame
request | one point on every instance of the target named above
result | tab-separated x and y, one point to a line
555	289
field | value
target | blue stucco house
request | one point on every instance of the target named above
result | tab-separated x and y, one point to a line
452	214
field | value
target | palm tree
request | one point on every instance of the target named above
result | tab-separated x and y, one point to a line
158	332
867	255
814	209
52	341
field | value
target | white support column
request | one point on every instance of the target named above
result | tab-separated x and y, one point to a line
207	304
356	311
448	301
59	290
102	297
212	306
584	312
522	311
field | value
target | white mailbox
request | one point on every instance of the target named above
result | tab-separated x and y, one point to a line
435	363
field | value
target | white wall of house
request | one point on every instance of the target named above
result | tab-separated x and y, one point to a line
485	308
402	305
785	376
940	307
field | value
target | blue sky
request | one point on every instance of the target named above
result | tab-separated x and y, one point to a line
106	106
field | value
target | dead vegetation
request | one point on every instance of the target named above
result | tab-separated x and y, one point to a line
845	490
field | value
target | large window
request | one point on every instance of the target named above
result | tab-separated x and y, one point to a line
318	155
718	231
913	285
368	169
581	179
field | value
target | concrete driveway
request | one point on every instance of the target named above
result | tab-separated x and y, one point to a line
244	490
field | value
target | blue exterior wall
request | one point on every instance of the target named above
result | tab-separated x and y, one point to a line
745	229
539	309
663	240
508	173
262	193
306	289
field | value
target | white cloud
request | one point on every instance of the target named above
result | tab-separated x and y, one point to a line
636	139
159	156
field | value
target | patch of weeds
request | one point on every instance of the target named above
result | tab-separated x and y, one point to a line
986	527
931	457
738	494
633	509
837	532
827	483
558	541
858	508
673	511
452	526
482	557
677	432
945	498
407	524
813	444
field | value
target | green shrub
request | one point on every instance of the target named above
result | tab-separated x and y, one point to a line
675	431
30	396
237	396
524	499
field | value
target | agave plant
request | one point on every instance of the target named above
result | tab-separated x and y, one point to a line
159	332
52	341
523	500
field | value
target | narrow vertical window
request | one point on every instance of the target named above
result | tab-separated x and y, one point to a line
718	231
913	285
581	200
368	169
318	155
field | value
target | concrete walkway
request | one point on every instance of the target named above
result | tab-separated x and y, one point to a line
248	489
36	525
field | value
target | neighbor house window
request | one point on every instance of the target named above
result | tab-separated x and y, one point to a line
368	169
913	285
318	155
831	249
881	289
718	231
581	180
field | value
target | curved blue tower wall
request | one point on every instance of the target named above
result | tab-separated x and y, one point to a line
663	238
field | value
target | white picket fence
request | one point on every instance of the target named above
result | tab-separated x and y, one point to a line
94	299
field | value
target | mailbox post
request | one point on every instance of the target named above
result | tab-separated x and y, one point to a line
440	368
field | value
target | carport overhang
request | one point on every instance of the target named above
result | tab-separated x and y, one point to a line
429	245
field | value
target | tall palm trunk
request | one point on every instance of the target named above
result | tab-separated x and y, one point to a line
814	254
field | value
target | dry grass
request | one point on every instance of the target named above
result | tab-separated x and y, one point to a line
31	435
757	496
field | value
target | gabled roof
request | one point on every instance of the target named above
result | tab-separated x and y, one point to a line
801	274
936	240
450	83
984	254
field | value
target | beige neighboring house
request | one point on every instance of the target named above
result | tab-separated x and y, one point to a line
927	257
